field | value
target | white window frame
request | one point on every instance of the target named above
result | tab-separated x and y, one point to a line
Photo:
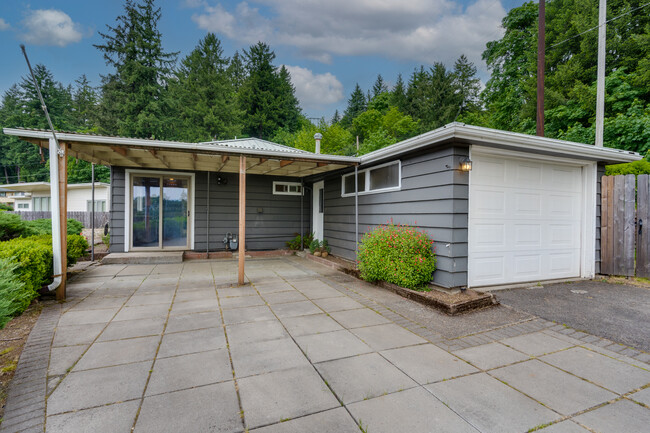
288	184
22	205
101	203
366	173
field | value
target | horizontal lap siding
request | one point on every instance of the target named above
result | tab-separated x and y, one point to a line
117	210
278	221
433	197
271	220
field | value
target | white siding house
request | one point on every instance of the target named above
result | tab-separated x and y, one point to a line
35	196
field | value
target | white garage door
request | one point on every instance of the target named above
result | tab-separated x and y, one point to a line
524	220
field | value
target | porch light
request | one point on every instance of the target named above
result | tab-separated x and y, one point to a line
465	164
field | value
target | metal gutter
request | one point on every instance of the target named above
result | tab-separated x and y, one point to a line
497	138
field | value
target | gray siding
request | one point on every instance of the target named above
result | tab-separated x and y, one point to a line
433	197
117	209
271	220
599	174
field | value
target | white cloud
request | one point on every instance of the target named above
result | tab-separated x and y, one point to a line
417	30
4	25
315	90
50	27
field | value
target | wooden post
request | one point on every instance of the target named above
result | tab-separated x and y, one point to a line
541	63
63	212
242	218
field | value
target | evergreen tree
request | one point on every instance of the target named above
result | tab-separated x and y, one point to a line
467	84
398	95
204	95
267	96
134	101
84	104
236	71
336	118
356	106
379	87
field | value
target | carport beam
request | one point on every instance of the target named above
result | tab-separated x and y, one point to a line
242	218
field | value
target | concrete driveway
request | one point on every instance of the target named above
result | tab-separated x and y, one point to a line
618	312
175	348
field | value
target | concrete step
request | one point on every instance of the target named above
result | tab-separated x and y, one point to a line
144	258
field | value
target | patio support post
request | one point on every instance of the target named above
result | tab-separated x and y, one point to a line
302	220
242	218
63	218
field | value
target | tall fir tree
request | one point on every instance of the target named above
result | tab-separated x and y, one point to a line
336	118
467	84
204	96
236	71
398	95
379	87
134	99
356	105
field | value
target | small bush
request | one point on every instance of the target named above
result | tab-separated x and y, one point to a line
12	226
14	296
398	254
44	226
107	240
314	245
77	246
33	258
294	244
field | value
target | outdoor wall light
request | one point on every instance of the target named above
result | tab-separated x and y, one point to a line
465	164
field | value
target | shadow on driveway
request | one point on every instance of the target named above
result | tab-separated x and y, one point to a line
615	311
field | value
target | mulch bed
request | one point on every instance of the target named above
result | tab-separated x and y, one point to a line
12	341
448	302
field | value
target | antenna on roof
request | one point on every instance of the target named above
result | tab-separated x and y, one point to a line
40	97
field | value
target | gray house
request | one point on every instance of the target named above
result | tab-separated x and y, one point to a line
502	207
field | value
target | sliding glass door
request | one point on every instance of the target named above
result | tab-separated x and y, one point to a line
159	212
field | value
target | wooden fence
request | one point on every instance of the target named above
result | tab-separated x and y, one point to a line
101	218
625	215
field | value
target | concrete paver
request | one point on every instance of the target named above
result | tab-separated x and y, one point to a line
491	406
543	382
621	416
304	348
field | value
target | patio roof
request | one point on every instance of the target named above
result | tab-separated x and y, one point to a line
262	157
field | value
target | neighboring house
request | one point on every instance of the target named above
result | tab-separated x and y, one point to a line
35	196
528	210
6	196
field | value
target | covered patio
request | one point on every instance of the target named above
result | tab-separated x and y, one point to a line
242	156
176	348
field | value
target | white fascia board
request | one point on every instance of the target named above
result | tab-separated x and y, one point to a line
516	141
177	145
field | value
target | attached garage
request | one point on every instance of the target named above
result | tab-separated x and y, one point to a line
526	218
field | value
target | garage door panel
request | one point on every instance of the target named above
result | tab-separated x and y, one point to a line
524	222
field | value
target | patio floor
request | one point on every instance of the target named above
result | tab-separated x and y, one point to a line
302	348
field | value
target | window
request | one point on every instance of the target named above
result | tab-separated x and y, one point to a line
100	205
41	204
385	177
287	188
3	194
23	205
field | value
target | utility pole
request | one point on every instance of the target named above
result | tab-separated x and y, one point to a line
600	82
541	61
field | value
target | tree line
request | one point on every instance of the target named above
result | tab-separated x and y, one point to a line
207	95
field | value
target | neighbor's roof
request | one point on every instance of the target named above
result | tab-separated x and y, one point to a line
459	132
45	186
262	157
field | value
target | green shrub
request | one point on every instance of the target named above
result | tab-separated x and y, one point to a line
77	246
14	296
314	245
5	206
294	244
33	258
44	226
12	226
398	254
107	240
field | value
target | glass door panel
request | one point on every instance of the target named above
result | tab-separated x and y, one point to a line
174	212
146	211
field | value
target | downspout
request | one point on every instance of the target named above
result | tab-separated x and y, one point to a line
207	222
356	212
302	219
55	154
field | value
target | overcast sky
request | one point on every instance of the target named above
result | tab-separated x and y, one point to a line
327	45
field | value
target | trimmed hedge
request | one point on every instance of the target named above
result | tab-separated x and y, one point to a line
33	259
12	226
44	226
14	297
399	254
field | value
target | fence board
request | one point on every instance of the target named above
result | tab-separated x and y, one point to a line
643	220
605	226
611	234
619	221
629	228
101	218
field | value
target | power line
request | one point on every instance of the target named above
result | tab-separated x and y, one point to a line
598	26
